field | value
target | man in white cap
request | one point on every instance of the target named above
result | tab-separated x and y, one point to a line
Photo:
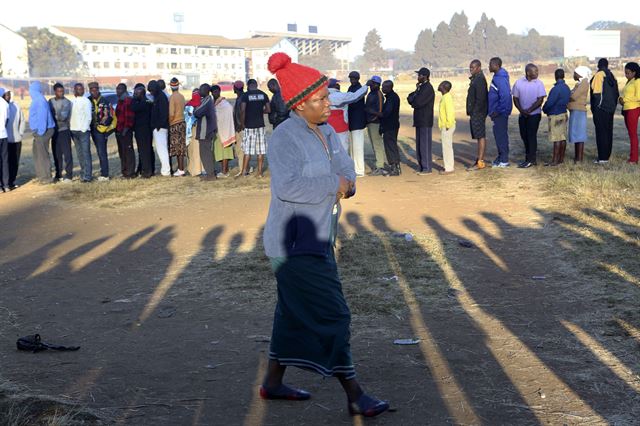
340	101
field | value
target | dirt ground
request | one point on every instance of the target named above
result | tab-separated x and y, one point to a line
171	300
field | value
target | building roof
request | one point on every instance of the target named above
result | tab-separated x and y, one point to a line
101	35
259	42
258	34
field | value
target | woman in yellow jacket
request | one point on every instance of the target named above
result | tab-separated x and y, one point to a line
630	101
447	124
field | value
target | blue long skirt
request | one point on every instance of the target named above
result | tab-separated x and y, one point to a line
311	326
578	126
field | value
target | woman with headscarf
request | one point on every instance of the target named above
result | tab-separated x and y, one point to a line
43	126
630	101
578	111
310	174
194	165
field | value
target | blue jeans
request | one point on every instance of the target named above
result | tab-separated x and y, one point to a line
100	141
83	151
501	134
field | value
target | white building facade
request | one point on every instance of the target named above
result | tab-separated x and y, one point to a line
257	53
14	54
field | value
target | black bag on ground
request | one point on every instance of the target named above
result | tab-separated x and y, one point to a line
34	343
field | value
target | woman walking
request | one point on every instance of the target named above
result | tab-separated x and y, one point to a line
630	101
310	174
578	111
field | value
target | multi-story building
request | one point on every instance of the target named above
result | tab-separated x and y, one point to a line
14	54
119	53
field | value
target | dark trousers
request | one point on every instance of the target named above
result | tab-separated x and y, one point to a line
146	157
206	155
127	154
61	149
100	141
529	125
4	163
15	149
501	135
390	139
424	142
603	121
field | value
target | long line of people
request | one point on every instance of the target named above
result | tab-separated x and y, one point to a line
208	129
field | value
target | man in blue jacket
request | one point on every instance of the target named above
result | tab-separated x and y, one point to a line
500	107
556	109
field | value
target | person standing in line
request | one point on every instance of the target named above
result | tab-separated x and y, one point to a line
279	112
103	123
194	165
340	102
223	145
16	126
4	136
255	103
500	107
177	126
160	126
311	173
42	125
422	100
143	131
604	102
238	90
447	124
630	101
124	132
528	95
477	111
61	141
357	123
206	130
556	109
390	126
80	126
373	108
578	111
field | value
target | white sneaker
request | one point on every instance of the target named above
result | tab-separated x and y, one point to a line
103	178
65	180
221	175
179	173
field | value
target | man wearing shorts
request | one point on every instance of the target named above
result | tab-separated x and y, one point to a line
254	104
477	110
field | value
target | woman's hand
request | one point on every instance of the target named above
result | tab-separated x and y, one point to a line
343	188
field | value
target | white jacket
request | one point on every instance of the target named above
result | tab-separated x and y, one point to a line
81	114
17	124
4	115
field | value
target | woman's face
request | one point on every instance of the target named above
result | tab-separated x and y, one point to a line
629	74
316	109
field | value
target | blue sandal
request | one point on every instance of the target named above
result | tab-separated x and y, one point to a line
367	406
284	392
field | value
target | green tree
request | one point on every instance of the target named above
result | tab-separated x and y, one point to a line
50	55
443	43
323	61
374	54
424	53
461	47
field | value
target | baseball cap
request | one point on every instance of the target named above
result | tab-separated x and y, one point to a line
333	82
354	74
376	79
423	71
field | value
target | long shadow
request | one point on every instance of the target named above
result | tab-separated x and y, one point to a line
544	315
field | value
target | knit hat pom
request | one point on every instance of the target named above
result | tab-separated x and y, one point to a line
278	61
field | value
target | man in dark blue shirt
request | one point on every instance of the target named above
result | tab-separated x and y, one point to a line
389	127
373	108
556	109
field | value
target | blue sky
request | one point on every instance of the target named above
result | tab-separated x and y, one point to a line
398	24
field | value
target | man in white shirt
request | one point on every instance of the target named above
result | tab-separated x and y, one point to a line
339	118
80	126
4	149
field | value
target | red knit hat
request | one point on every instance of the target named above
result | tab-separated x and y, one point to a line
297	82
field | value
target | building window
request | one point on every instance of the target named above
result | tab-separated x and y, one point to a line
187	65
144	65
219	66
210	52
94	48
187	51
116	49
125	49
106	65
226	66
174	51
126	64
160	65
233	66
174	65
116	65
144	50
159	50
218	52
226	53
135	65
96	64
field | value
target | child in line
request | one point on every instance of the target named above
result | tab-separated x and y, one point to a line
447	124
